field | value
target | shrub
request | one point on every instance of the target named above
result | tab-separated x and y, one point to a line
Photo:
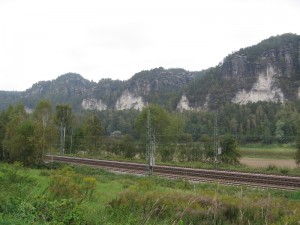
65	183
62	211
284	170
230	153
271	167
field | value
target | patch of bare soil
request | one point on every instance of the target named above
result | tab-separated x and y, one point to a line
263	162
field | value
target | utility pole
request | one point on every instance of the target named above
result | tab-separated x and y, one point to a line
44	128
216	144
61	138
150	145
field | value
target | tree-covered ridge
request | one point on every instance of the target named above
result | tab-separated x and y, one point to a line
157	85
161	86
207	89
69	88
158	78
108	91
182	137
8	97
240	70
281	51
274	43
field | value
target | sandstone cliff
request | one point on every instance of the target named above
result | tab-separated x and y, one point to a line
268	71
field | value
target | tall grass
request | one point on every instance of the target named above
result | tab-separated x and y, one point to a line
123	199
275	151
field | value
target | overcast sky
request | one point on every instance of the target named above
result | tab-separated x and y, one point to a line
43	39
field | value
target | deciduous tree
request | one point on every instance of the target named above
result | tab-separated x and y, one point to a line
230	153
64	121
45	132
92	131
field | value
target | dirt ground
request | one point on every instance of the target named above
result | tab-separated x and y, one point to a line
262	162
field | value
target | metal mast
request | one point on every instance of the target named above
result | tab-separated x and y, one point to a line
216	145
150	145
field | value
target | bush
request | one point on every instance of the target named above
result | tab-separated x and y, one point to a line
62	211
65	183
177	206
230	153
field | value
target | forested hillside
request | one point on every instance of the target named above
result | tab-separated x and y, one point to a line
251	95
160	86
268	71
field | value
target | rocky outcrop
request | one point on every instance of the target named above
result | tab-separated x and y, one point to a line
268	71
263	90
184	104
129	101
262	74
237	66
93	103
159	79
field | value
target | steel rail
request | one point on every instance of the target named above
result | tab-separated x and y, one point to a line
200	175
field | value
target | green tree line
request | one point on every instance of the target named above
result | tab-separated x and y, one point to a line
187	136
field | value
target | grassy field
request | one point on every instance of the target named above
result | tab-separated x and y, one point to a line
274	151
83	195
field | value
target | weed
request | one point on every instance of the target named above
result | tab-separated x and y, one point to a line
284	170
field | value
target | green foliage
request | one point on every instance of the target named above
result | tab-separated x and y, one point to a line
123	199
63	118
60	211
272	151
20	137
175	207
14	187
274	42
166	152
8	98
92	131
208	146
4	118
45	129
127	146
165	84
109	91
26	137
263	122
297	155
21	145
19	204
237	72
166	127
230	152
212	87
113	120
159	120
65	183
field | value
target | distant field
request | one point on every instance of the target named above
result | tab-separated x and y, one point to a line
257	155
268	151
265	162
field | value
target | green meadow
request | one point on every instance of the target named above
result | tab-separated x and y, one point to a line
83	195
272	151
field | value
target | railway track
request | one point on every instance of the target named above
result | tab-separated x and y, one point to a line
194	175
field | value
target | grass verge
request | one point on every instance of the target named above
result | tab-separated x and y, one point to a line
26	198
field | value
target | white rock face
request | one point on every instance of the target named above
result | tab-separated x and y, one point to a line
93	103
184	104
28	110
129	101
262	90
